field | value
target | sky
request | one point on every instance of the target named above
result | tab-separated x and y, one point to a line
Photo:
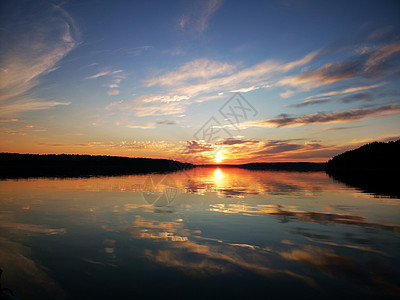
206	81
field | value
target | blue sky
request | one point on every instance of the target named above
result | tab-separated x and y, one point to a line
141	78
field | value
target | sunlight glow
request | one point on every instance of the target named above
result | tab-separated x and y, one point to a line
218	174
218	157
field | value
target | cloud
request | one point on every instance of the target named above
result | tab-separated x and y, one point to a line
166	122
246	90
105	73
311	102
209	9
368	64
168	108
152	105
175	52
236	141
198	147
203	77
287	94
340	128
379	56
198	69
161	99
199	15
326	118
116	77
8	120
113	92
328	74
270	147
381	33
359	97
349	90
254	76
20	106
67	145
144	126
301	62
11	132
32	49
355	97
136	51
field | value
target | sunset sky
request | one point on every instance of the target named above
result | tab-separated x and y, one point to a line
309	79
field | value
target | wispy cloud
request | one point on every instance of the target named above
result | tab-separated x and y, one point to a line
167	122
326	118
113	92
246	90
327	74
175	52
8	120
348	90
325	97
197	69
287	94
367	65
311	102
340	128
382	54
359	97
12	132
143	126
136	51
160	109
152	105
197	18
34	51
24	105
198	147
254	76
116	77
203	77
115	73
237	141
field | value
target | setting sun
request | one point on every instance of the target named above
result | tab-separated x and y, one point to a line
219	157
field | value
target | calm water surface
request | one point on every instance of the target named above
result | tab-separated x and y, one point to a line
205	233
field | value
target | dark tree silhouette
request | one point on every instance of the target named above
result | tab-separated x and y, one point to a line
31	165
373	168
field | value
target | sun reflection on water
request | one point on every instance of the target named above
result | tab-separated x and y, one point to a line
218	175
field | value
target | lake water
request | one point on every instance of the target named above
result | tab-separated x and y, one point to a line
208	233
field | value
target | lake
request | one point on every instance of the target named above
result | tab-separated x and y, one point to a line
207	233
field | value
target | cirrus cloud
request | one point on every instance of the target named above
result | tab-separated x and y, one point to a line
326	118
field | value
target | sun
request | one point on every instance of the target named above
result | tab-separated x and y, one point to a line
218	157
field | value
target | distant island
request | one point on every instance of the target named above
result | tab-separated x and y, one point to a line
373	168
277	166
15	165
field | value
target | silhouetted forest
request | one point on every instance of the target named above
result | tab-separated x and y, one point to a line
278	166
373	156
286	166
66	165
373	168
